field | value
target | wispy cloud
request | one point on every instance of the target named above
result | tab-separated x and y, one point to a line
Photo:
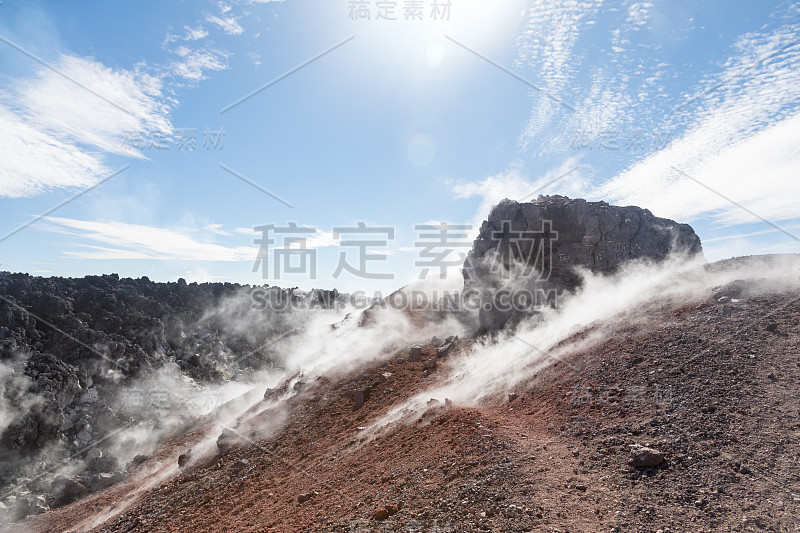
190	34
33	161
737	131
639	12
56	124
228	24
118	240
57	104
616	82
318	239
194	63
744	142
546	48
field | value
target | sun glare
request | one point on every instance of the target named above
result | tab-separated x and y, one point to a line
421	45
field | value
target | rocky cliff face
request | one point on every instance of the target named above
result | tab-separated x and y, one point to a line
538	245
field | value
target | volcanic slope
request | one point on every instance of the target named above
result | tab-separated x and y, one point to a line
713	386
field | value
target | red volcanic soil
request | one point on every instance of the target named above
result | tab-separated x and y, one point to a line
715	388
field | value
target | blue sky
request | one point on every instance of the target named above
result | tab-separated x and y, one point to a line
672	106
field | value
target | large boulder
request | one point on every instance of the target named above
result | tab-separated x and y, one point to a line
538	247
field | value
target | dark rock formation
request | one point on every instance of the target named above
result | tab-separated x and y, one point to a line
71	348
540	245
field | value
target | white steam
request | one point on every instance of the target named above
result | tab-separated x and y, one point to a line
496	366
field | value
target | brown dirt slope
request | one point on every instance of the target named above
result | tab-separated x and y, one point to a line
715	388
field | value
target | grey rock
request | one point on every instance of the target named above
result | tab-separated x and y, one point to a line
102	464
361	396
444	350
84	437
104	480
540	245
183	459
414	352
227	439
67	490
21	509
305	497
642	456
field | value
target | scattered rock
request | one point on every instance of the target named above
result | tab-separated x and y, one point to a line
183	459
305	497
227	439
414	353
138	459
642	456
22	507
67	490
733	290
436	342
385	512
444	350
106	479
361	396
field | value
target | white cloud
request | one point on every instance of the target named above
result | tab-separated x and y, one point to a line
54	133
118	240
56	126
195	34
639	12
228	24
546	48
120	101
744	143
217	229
34	161
322	239
194	63
190	34
613	83
318	239
758	172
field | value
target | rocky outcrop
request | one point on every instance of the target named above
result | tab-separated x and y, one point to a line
540	246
